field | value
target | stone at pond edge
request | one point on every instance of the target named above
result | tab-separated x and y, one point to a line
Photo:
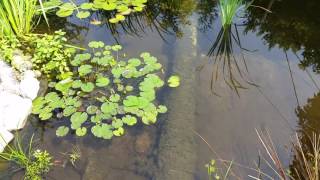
6	137
14	111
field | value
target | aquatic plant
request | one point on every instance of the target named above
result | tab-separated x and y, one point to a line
18	17
306	160
120	7
229	9
35	162
225	61
122	91
48	53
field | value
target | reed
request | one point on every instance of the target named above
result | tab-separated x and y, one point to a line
18	17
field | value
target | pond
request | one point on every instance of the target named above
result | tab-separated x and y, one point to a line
269	85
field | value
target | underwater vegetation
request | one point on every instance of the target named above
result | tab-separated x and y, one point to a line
123	92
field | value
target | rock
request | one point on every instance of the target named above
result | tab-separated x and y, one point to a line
16	96
5	138
8	82
14	111
143	143
29	85
20	62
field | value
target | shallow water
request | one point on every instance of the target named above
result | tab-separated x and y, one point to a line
276	94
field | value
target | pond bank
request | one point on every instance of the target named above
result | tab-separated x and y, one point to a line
17	90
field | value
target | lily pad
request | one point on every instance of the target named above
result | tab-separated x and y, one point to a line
62	131
174	81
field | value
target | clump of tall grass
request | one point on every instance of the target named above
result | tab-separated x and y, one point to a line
306	164
19	17
229	9
226	63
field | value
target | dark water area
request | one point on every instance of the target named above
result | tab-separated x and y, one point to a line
271	84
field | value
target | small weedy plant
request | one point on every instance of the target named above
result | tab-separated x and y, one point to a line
120	8
105	94
35	162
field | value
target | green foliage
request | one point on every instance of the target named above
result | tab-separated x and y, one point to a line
228	10
84	10
212	170
40	165
120	93
35	162
50	54
174	81
16	17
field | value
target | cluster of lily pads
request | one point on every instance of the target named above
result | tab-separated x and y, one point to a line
83	10
105	93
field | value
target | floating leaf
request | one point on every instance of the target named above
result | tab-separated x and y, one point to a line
85	69
96	44
102	82
162	109
174	81
83	14
117	123
69	110
62	131
102	131
81	131
77	119
92	109
129	120
87	87
118	132
114	98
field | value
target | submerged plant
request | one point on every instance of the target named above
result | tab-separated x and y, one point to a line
35	162
120	93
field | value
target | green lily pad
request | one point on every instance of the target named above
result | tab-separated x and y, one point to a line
129	120
81	131
118	132
62	131
92	109
83	14
77	119
85	69
162	109
87	87
102	82
117	123
174	81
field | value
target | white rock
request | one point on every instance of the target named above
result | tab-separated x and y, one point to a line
5	138
14	111
29	85
7	79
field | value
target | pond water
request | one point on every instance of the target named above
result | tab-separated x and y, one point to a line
276	90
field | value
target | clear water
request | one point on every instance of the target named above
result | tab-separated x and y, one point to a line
278	93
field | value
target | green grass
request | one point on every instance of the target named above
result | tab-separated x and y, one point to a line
35	163
228	10
20	17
